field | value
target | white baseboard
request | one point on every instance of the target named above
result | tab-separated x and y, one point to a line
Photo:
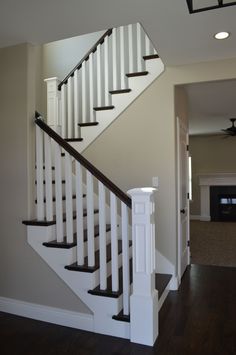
53	315
164	295
205	218
174	283
195	217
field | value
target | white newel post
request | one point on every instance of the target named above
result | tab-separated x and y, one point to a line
53	104
144	298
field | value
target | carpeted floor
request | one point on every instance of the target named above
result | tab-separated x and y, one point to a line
213	243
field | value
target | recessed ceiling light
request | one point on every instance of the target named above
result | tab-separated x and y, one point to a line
221	35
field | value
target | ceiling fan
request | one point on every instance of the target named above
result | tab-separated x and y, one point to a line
231	131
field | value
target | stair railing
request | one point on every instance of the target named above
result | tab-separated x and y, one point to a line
49	147
114	205
102	71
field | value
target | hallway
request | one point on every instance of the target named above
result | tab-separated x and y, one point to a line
199	319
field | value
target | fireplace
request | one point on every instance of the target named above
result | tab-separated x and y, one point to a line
217	180
223	203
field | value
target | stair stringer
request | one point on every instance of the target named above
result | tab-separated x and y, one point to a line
103	308
121	102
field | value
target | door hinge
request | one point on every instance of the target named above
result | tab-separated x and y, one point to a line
188	243
188	195
187	147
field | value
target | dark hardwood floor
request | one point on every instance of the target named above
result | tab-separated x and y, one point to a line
198	319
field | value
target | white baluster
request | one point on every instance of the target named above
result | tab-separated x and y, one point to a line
39	174
114	58
106	72
79	214
84	96
48	177
102	237
144	298
114	243
76	104
70	107
63	111
99	87
58	192
125	258
139	48
147	45
69	204
131	48
91	88
90	219
122	58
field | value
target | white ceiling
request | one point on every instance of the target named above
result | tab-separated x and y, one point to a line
210	105
179	37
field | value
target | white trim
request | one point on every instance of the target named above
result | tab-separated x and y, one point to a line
205	218
217	179
48	314
164	295
181	129
174	283
195	217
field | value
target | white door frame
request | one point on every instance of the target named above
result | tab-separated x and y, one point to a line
179	251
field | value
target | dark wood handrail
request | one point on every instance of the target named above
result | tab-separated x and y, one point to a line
90	167
86	57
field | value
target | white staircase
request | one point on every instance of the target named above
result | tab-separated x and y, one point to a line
119	67
99	240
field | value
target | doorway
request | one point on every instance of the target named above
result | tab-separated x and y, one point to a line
210	106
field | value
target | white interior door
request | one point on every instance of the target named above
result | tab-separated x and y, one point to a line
183	200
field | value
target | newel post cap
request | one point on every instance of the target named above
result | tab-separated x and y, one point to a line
142	191
55	79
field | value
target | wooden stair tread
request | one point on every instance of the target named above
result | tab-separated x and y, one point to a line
108	292
65	245
53	182
35	222
103	108
88	124
61	245
161	281
73	139
86	268
120	91
53	167
63	198
151	56
141	73
122	317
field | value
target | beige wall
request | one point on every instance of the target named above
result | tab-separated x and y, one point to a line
23	275
210	154
141	144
